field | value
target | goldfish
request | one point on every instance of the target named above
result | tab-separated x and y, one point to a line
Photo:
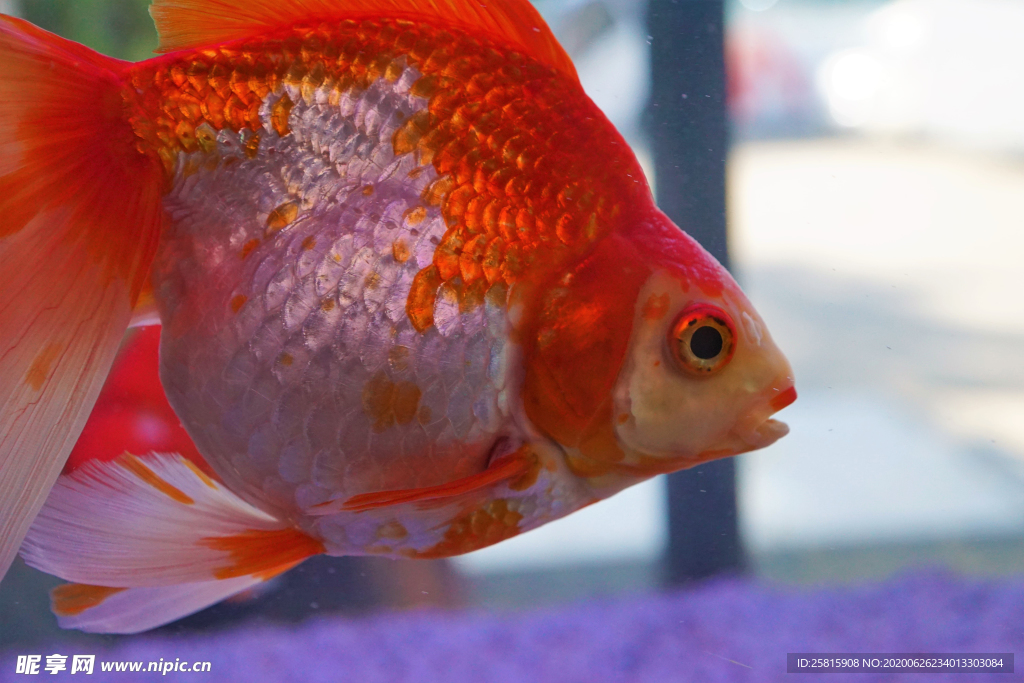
415	298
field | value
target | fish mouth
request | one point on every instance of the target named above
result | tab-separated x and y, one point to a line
765	434
760	429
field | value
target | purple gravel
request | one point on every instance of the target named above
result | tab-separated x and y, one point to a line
683	636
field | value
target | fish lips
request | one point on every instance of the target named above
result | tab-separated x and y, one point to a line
759	429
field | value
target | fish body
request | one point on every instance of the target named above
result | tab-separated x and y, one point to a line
416	299
351	252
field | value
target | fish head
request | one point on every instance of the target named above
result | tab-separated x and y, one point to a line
702	376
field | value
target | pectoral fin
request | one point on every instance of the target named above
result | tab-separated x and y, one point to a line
511	468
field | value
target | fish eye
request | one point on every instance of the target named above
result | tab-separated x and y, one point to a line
702	340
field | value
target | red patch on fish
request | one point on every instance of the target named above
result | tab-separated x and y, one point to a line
132	414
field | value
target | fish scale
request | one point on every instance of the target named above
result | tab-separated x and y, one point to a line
322	291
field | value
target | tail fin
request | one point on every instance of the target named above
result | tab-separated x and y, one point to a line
80	216
95	609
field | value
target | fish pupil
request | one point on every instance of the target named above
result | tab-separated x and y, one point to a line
706	342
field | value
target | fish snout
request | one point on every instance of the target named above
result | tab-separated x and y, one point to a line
757	428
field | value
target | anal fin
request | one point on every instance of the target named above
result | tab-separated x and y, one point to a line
157	521
148	540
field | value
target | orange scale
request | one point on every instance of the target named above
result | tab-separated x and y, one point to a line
386	34
455	204
196	76
447	255
407	137
291	47
491	523
482	174
480	84
474	217
499	97
422	294
367	28
460	69
294	75
466	46
166	134
186	136
493	59
235	113
230	55
239	85
471	259
357	65
494	254
312	48
437	61
587	200
510	71
213	110
279	114
178	75
253	115
569	229
547	191
438	192
449	155
190	108
162	82
520	109
331	53
496	141
259	85
491	215
466	114
512	266
472	295
379	66
346	81
467	164
527	158
501	179
507	222
421	49
218	80
425	86
431	143
487	123
311	82
447	100
405	41
546	220
518	185
168	159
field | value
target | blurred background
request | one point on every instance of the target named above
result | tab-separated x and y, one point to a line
875	212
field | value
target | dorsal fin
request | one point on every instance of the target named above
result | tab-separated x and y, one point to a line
195	23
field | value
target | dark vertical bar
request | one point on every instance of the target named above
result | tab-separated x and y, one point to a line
688	124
